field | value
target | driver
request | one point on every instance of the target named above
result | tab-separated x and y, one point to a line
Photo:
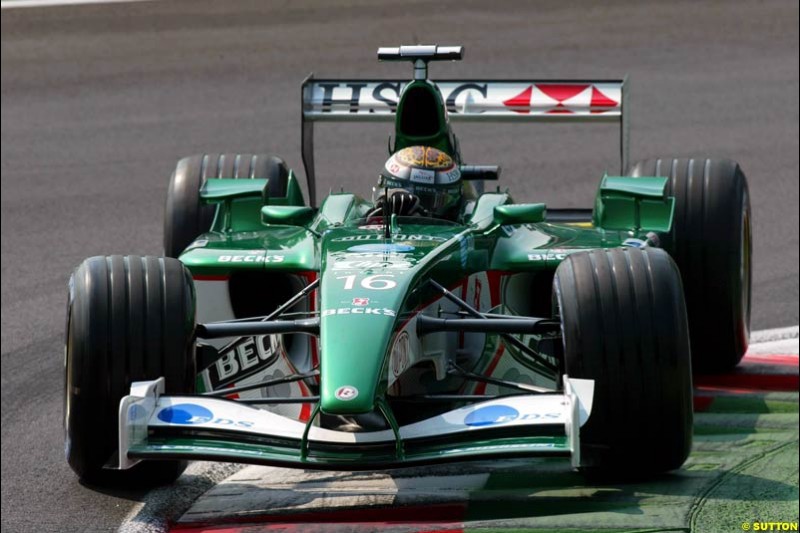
420	180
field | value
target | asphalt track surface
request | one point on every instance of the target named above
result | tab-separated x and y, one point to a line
98	102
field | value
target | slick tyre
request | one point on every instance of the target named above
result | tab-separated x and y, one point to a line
711	243
624	326
128	319
185	217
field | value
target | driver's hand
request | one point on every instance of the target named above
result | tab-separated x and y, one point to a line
401	203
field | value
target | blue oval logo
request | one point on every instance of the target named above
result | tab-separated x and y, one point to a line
491	415
382	248
186	413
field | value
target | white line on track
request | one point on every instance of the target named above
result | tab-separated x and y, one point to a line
15	4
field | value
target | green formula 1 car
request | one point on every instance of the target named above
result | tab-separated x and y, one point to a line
434	322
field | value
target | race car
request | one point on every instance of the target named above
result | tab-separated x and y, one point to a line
434	322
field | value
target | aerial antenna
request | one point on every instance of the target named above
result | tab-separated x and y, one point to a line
387	230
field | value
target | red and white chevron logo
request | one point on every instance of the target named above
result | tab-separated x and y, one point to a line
560	98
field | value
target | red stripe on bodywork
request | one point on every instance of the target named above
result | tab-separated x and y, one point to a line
305	408
481	387
235	395
310	278
495	281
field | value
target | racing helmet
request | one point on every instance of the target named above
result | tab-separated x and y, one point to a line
429	173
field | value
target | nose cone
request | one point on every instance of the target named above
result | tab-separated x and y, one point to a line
362	290
364	285
354	338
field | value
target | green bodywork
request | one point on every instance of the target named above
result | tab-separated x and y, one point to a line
355	259
442	138
640	204
328	244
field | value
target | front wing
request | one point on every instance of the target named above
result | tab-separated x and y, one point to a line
154	426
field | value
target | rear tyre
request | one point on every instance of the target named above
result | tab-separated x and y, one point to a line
711	243
128	319
185	218
624	326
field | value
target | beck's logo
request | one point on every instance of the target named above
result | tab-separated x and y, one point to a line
243	358
361	302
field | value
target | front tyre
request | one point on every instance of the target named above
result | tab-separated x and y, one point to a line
624	326
128	319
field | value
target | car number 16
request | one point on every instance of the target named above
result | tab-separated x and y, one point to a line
376	282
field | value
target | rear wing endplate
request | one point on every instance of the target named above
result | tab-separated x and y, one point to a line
330	100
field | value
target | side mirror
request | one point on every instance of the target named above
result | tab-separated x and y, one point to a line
286	215
480	172
519	213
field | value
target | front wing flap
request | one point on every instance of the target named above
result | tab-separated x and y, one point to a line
153	426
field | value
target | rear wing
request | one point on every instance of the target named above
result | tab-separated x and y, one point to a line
330	100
